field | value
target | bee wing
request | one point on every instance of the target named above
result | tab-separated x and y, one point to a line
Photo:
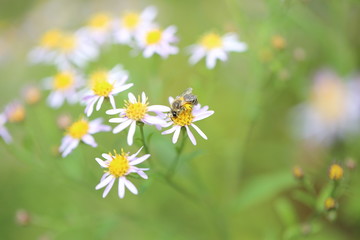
187	91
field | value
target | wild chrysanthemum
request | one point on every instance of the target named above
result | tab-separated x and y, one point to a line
105	85
15	112
332	111
131	23
4	133
81	130
137	111
187	118
154	40
119	166
212	46
98	29
63	86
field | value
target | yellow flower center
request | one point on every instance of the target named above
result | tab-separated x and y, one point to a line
78	129
51	39
329	100
100	21
63	81
136	111
100	85
153	36
336	172
184	118
67	43
119	165
211	41
131	20
17	114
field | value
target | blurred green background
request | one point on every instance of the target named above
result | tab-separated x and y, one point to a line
242	174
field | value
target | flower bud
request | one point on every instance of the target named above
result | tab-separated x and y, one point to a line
298	172
336	172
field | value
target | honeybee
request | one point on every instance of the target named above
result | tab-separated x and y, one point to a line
184	101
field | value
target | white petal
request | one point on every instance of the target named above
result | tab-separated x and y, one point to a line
135	154
90	107
130	186
117	120
176	134
211	60
70	147
202	134
99	103
106	156
139	160
114	111
131	133
108	188
132	98
143	96
158	108
203	116
152	120
112	101
142	174
191	136
101	163
88	139
171	130
104	182
122	126
121	187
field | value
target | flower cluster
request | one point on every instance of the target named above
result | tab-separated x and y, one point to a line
71	83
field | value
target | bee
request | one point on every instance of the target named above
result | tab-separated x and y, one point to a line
184	101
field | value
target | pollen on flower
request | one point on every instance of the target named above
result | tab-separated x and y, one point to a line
17	113
336	172
51	39
119	164
63	80
211	41
67	43
100	21
184	118
131	20
136	111
153	36
100	85
78	129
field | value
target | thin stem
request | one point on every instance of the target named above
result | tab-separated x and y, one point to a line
141	126
175	163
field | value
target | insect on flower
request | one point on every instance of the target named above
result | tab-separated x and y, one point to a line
183	102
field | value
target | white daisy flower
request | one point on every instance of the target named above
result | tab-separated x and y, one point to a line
119	166
81	131
105	85
213	46
333	110
131	23
48	44
187	118
63	86
75	49
4	133
153	40
98	29
15	112
137	111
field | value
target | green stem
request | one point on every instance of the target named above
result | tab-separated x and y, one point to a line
141	126
175	163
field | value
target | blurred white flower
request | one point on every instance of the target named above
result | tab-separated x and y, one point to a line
153	40
213	46
63	86
137	111
332	111
4	133
187	118
105	85
131	23
81	130
64	49
99	28
119	166
15	112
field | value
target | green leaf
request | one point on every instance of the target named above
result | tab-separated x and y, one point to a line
286	212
